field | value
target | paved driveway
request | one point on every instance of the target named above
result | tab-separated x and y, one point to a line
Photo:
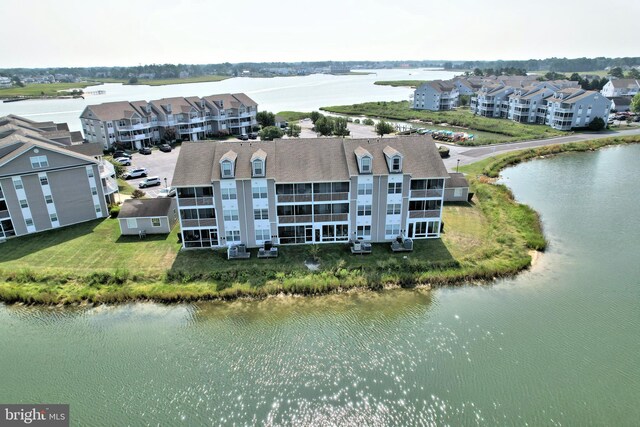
158	164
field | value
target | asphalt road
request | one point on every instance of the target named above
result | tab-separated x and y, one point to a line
467	155
158	164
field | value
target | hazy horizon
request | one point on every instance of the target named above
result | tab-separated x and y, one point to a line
74	33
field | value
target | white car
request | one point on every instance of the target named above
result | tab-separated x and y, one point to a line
124	161
167	192
135	173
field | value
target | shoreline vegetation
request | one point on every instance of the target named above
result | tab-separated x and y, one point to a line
91	263
496	131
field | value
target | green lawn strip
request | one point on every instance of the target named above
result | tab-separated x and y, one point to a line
43	89
124	187
162	82
293	116
503	130
400	83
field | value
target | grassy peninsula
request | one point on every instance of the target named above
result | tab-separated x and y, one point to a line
42	89
499	131
400	83
163	82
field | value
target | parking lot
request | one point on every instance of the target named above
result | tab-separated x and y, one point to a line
158	164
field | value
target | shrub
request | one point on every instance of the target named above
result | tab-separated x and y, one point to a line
114	211
137	194
368	122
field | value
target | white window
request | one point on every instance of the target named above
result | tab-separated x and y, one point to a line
44	180
98	209
263	234
17	183
29	222
94	191
258	167
23	204
132	223
457	192
366	164
392	230
261	213
39	162
394	208
233	236
363	232
90	173
366	188
227	170
259	192
364	210
229	194
395	188
155	222
230	214
396	164
53	217
48	199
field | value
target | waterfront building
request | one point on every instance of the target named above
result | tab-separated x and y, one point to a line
46	183
140	123
527	105
621	87
575	108
436	95
492	100
309	191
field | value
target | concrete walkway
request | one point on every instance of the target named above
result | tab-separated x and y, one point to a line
468	155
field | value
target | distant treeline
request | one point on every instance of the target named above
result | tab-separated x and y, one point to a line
550	64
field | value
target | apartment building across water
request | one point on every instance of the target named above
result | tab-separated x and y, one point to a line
309	191
140	123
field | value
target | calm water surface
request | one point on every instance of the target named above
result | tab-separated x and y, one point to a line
305	93
558	345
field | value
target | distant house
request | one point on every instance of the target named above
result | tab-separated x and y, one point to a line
456	188
621	87
5	82
621	103
148	216
281	122
436	95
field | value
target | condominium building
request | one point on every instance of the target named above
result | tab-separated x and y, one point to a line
46	184
528	105
492	100
309	191
141	123
436	95
621	87
575	108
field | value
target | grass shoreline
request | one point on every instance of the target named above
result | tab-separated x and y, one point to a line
505	233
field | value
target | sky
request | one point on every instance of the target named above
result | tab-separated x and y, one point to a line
79	33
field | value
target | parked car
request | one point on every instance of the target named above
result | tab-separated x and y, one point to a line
120	153
165	148
123	161
253	135
135	173
149	182
244	137
145	150
167	192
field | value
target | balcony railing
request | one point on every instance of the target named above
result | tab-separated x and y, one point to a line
424	214
138	126
195	201
421	194
106	169
110	186
331	217
4	214
327	197
138	137
202	222
294	198
290	219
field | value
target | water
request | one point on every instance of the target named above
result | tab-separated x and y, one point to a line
305	93
557	345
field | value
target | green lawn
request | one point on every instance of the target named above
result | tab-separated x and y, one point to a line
496	130
162	82
293	116
42	89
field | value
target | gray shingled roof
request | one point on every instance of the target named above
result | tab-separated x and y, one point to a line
146	208
92	149
456	180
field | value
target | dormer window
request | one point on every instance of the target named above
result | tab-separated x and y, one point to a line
396	164
227	164
394	159
365	163
227	169
258	168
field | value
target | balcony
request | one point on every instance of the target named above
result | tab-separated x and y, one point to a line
195	201
138	137
291	219
109	186
137	126
328	197
4	214
202	222
424	214
423	194
106	169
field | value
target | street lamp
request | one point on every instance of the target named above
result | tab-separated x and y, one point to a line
165	181
457	166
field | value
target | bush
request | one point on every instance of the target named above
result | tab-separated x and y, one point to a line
114	211
271	132
597	124
137	194
368	122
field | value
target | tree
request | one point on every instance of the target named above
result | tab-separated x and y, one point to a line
383	128
266	118
133	80
477	72
368	122
575	77
617	72
597	124
447	65
340	127
314	116
635	103
633	73
463	100
137	194
294	131
324	126
118	168
270	132
170	134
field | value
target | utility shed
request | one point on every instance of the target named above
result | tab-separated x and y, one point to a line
456	188
140	217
